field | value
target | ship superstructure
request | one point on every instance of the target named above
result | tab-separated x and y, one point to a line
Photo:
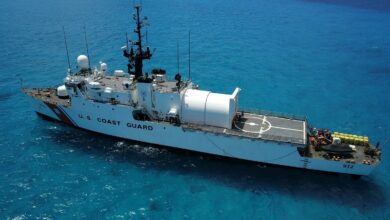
151	108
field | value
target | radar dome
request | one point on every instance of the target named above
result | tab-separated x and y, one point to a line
61	92
103	67
82	62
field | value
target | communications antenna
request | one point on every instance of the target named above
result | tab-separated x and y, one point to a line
66	47
189	55
178	56
86	45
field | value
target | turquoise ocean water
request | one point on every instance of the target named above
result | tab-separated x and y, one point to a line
326	59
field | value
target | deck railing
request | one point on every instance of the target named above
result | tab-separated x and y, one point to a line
223	131
272	113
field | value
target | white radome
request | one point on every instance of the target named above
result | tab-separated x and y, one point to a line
103	67
83	62
61	91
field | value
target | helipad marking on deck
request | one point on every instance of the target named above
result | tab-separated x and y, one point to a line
290	129
260	132
261	127
264	126
268	125
264	119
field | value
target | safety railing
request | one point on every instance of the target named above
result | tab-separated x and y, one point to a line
272	113
234	132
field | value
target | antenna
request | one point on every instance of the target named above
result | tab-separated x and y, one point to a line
127	43
66	47
189	55
146	37
178	57
135	58
86	45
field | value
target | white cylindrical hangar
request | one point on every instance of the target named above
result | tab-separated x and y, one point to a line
207	108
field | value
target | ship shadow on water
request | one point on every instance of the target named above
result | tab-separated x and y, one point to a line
260	179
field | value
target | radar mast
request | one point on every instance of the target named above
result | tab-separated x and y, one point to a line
137	55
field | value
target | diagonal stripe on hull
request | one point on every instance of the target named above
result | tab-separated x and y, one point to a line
60	114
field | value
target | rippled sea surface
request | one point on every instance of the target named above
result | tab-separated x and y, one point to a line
326	59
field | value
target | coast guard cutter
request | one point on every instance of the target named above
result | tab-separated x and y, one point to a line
174	113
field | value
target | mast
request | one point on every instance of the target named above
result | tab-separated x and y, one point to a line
138	62
136	58
86	45
178	56
189	55
67	52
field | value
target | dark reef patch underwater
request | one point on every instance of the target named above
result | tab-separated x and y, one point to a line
328	60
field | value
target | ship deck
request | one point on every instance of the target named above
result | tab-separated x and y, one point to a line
47	95
249	125
116	83
266	127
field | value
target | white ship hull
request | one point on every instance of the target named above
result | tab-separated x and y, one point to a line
117	120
